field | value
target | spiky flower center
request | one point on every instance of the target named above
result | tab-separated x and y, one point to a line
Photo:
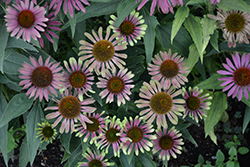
69	107
94	126
135	134
95	163
48	131
161	103
169	68
26	18
41	76
115	85
103	50
166	142
111	135
127	27
235	22
77	79
193	103
242	76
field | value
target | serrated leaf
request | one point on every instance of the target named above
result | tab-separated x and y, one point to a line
214	40
125	7
180	16
35	116
216	111
193	26
246	119
243	150
149	37
208	26
193	58
228	5
18	105
211	83
3	42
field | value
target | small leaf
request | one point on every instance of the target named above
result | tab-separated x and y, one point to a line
229	144
211	83
72	22
208	27
230	164
246	118
18	105
214	40
228	5
192	2
180	16
213	136
65	140
216	111
243	150
232	151
220	156
187	135
201	159
193	58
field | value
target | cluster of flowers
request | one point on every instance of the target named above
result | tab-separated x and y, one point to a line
159	97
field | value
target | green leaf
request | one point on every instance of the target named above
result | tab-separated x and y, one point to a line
246	101
165	163
213	136
246	119
229	144
65	140
3	42
72	22
214	40
23	154
75	157
35	116
149	37
208	26
125	7
146	160
18	105
232	151
185	133
220	156
216	111
193	58
180	16
19	43
124	161
230	164
192	2
228	5
211	83
95	9
201	159
193	26
243	150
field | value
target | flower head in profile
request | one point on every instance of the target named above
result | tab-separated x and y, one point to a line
195	102
51	25
95	160
237	80
70	5
215	1
140	134
164	5
69	110
103	52
25	20
131	29
78	77
112	135
168	143
234	24
93	129
46	132
158	104
168	69
116	84
41	79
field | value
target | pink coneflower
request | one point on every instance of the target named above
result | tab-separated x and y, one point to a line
78	77
159	104
239	76
70	5
131	29
215	1
195	103
168	69
42	79
93	129
112	134
140	135
95	160
164	5
51	25
70	108
116	84
17	1
103	52
25	20
168	143
234	24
